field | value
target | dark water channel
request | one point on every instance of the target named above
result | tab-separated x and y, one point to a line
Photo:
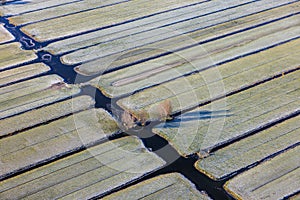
175	163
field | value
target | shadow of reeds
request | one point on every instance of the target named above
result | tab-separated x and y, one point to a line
15	2
196	116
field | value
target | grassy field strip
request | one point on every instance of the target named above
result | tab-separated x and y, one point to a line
131	29
11	54
101	17
55	139
165	40
31	5
274	179
85	174
63	10
212	83
20	73
227	119
5	35
145	27
132	79
137	40
250	104
250	150
34	93
168	186
38	116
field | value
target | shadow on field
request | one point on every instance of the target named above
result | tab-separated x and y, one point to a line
196	116
16	2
